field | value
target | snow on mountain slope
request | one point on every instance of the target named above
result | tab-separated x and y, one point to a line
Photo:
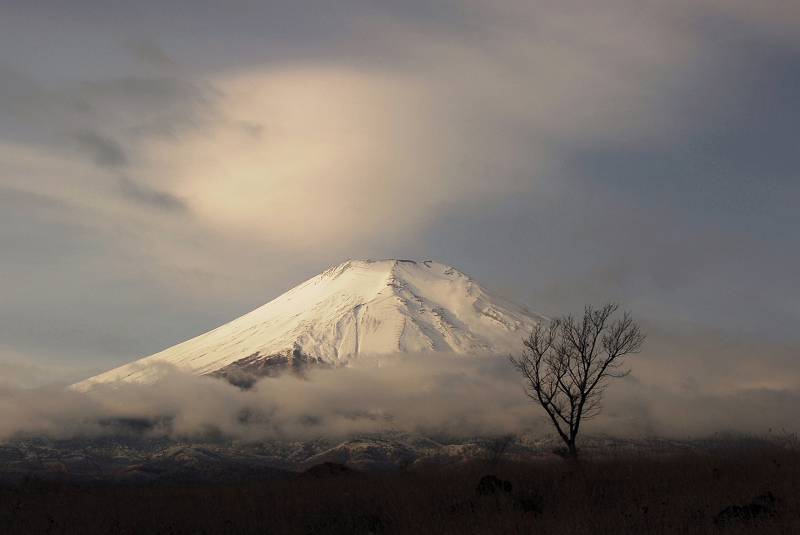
361	307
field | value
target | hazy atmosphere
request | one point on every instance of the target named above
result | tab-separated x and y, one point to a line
168	166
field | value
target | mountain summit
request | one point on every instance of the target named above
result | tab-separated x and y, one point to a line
360	307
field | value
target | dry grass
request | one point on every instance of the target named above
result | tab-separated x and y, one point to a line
676	494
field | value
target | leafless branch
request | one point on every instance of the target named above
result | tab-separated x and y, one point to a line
567	361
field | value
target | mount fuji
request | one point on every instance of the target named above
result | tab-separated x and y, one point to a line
356	309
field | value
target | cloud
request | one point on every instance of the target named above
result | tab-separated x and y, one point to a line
775	19
105	151
149	196
379	146
419	393
19	372
150	51
430	394
349	152
311	156
104	119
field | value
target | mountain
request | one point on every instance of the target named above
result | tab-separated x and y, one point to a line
358	308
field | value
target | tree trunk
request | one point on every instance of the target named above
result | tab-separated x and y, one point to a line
572	450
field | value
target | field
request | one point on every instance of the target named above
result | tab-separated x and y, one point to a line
746	490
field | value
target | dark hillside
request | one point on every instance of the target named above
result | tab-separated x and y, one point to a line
750	490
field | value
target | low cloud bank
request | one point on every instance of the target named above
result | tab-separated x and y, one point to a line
432	394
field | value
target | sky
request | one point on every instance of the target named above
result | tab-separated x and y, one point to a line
167	166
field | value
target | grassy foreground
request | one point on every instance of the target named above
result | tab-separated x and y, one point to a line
744	491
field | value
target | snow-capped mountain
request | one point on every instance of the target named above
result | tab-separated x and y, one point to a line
358	308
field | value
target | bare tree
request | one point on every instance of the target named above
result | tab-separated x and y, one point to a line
567	361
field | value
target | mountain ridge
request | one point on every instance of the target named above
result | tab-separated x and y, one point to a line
356	308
